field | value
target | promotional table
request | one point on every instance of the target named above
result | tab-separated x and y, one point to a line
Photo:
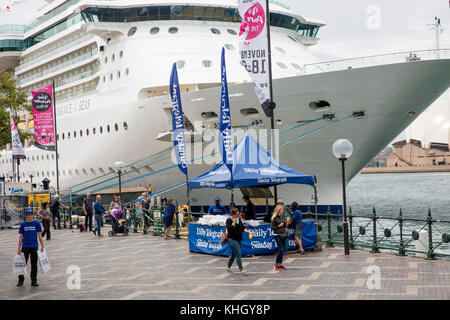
206	239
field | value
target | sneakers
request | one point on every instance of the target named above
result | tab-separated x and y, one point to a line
281	267
228	270
276	268
94	232
243	273
20	283
34	283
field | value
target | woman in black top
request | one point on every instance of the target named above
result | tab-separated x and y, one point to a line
235	227
280	233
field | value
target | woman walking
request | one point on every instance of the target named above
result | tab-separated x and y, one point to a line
297	222
169	212
235	227
280	232
44	217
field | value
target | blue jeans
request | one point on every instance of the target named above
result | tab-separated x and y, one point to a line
55	215
286	245
99	222
280	244
235	253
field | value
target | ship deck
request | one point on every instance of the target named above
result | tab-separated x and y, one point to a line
147	267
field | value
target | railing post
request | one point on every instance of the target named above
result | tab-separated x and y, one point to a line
374	222
401	249
135	221
329	242
350	220
201	211
177	230
430	254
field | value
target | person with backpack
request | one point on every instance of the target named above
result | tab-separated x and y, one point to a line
30	233
45	218
54	208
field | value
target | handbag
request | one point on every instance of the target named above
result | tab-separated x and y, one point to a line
43	263
19	265
224	238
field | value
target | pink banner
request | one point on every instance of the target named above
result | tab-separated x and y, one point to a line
44	128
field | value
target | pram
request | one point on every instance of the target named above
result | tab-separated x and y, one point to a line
119	225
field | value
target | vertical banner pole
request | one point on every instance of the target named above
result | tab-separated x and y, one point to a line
56	140
272	119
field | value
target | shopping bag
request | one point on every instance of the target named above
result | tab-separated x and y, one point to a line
43	263
19	265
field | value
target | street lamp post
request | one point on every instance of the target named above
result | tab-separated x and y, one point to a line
119	169
343	149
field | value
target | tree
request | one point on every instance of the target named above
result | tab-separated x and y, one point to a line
11	96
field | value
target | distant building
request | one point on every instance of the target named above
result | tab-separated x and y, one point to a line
411	153
380	159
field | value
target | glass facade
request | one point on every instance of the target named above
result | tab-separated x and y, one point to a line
12	29
156	13
10	45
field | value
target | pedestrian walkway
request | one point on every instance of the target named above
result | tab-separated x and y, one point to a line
147	267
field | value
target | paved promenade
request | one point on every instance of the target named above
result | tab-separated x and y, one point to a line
147	267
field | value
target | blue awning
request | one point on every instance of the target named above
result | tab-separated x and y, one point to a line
252	167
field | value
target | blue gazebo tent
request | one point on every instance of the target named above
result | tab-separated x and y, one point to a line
252	167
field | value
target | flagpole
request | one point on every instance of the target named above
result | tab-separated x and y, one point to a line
56	140
272	119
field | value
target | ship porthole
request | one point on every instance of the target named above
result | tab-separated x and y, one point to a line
116	127
215	31
173	30
125	126
232	32
132	31
154	30
206	63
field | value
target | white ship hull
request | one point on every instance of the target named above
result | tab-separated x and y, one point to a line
385	93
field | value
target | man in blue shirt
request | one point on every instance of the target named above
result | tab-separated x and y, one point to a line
99	211
30	232
217	208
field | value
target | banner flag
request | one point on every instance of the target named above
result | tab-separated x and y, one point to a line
16	143
254	49
225	139
43	116
178	121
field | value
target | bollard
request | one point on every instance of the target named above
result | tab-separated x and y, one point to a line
177	228
430	254
329	242
350	220
401	249
135	221
374	222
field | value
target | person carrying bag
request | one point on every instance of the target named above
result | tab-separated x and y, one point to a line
280	233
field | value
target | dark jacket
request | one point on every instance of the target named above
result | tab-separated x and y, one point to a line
250	213
235	232
276	229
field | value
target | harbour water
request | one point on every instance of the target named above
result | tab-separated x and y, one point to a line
414	193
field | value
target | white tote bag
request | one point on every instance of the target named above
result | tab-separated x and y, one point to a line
43	263
19	265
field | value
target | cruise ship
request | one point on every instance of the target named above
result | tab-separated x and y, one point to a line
110	61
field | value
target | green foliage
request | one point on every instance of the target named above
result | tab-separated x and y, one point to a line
11	96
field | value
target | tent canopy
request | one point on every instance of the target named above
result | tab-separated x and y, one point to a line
252	167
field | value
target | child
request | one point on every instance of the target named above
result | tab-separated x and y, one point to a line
30	231
138	213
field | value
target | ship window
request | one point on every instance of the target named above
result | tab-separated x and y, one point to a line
53	156
118	74
87	132
93	171
93	130
229	46
280	49
132	31
85	172
107	128
43	174
215	31
104	79
296	66
81	133
281	65
121	54
48	158
113	57
68	135
63	136
207	63
127	71
111	76
106	60
101	129
125	126
53	173
116	127
74	134
70	172
180	64
232	32
154	30
173	30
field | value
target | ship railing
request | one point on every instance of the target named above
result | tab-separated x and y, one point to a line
375	60
427	237
53	52
87	55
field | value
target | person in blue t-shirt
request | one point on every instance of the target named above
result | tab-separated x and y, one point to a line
30	232
217	208
297	223
99	210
